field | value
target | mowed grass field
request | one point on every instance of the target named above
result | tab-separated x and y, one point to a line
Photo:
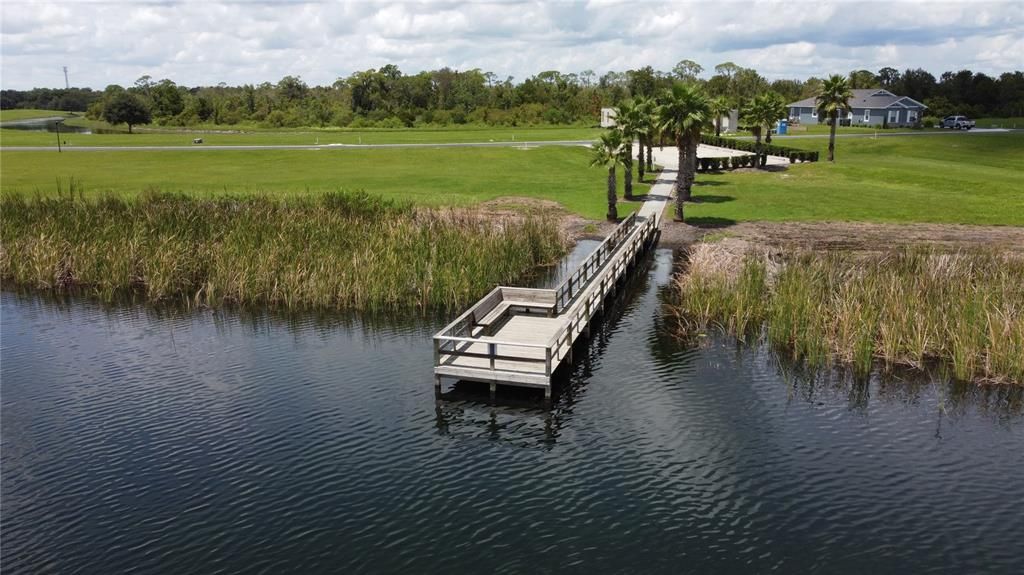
961	178
426	176
169	137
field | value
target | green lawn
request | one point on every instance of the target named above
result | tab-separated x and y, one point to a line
11	115
429	176
961	178
13	138
1017	122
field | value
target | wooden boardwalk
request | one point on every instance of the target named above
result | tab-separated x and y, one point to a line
520	336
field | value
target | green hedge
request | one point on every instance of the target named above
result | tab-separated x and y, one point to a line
793	154
733	162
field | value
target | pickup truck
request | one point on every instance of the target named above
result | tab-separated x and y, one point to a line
957	123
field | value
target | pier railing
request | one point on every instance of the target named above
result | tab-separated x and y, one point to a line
471	347
567	291
577	316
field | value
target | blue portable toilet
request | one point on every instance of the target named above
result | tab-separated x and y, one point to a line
781	128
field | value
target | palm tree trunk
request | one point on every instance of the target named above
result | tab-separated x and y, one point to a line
757	146
613	212
832	138
680	177
691	164
640	160
650	156
628	179
718	126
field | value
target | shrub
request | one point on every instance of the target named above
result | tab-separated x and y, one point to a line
930	122
792	157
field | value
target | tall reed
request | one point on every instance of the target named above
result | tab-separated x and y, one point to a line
904	308
338	250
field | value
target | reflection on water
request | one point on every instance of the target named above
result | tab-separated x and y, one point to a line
50	125
137	438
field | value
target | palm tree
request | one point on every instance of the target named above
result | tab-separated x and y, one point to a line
833	98
645	108
607	153
762	112
684	112
720	107
629	122
775	110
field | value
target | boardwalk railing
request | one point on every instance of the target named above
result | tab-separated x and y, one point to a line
473	347
567	291
577	317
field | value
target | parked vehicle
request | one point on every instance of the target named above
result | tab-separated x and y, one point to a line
957	123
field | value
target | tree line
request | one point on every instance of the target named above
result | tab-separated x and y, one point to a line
388	98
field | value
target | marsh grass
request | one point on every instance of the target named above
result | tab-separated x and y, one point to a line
909	308
335	250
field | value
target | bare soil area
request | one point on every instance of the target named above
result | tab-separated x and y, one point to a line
854	236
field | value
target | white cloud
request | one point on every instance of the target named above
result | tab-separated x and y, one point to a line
206	42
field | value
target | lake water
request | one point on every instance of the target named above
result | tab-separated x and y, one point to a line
49	125
158	441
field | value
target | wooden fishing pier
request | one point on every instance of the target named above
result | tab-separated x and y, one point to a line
520	336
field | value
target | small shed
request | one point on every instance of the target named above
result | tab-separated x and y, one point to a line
607	117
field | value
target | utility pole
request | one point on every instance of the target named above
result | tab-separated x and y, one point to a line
66	85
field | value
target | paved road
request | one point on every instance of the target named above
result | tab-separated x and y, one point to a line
886	133
204	147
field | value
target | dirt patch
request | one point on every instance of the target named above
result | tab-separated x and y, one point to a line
855	236
573	226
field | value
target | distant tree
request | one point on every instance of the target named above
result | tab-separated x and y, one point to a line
292	88
727	69
790	90
607	153
642	82
939	106
126	108
863	79
812	87
889	78
747	84
684	112
167	99
834	98
687	70
917	84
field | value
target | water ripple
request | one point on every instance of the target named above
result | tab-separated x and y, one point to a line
144	440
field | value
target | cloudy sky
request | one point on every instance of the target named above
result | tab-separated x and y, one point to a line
206	42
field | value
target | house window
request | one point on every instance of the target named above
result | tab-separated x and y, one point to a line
867	115
911	116
814	112
894	116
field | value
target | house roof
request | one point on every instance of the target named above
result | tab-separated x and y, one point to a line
873	98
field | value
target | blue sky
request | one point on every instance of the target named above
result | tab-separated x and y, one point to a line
206	42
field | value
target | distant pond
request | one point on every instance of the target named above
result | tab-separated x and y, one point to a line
50	125
155	440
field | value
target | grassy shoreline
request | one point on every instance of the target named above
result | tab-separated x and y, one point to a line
335	250
963	309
